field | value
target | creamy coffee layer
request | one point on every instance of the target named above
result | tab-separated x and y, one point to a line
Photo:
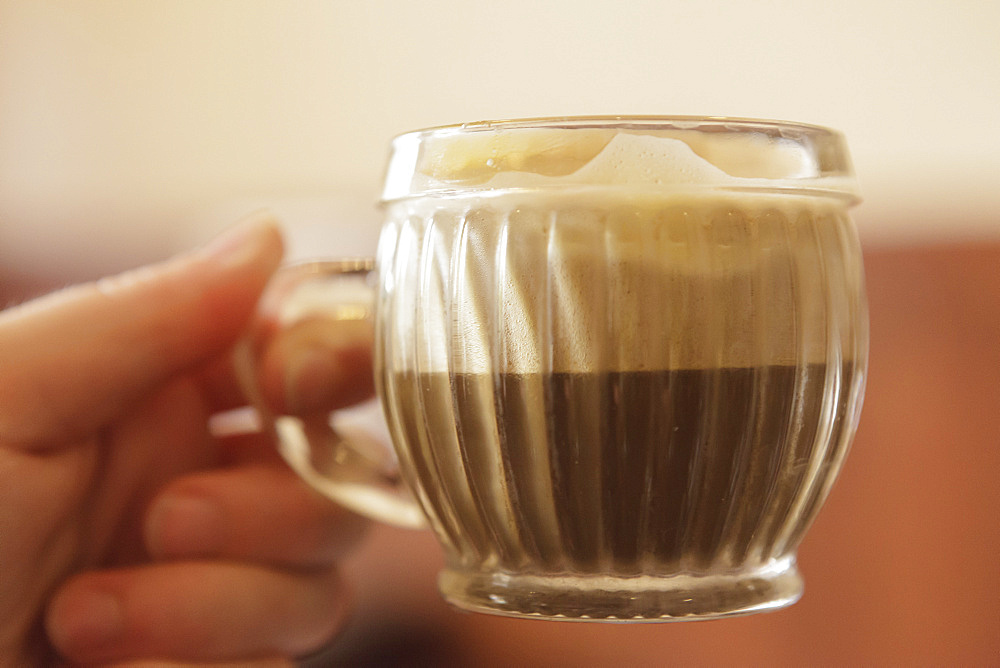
594	250
522	283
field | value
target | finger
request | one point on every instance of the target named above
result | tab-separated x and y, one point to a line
314	365
74	360
195	611
263	514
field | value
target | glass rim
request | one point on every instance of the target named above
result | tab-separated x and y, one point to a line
646	121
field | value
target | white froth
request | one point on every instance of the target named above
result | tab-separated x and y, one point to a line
677	158
646	160
753	155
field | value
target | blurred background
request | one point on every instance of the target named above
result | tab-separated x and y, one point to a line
131	130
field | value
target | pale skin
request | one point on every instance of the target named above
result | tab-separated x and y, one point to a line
128	531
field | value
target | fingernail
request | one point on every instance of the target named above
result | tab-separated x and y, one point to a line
309	381
87	622
185	526
240	243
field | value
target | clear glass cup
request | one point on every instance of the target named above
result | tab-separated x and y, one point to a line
621	360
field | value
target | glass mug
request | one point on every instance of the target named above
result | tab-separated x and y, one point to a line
621	359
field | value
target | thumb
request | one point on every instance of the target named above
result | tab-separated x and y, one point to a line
75	360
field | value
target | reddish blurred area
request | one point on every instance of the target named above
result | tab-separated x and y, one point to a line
901	567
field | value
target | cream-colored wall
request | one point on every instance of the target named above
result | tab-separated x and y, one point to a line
128	127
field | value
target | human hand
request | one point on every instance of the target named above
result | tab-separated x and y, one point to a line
129	531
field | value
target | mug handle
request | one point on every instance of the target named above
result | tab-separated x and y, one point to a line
360	472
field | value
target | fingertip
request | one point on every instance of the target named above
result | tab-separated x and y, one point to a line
188	525
319	365
263	514
241	261
196	611
256	238
83	622
321	379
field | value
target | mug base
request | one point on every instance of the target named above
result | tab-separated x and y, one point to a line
640	598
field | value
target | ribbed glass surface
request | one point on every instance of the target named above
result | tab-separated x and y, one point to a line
635	387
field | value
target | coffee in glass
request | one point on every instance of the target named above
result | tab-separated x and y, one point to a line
621	359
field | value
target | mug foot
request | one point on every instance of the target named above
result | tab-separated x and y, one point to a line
640	598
